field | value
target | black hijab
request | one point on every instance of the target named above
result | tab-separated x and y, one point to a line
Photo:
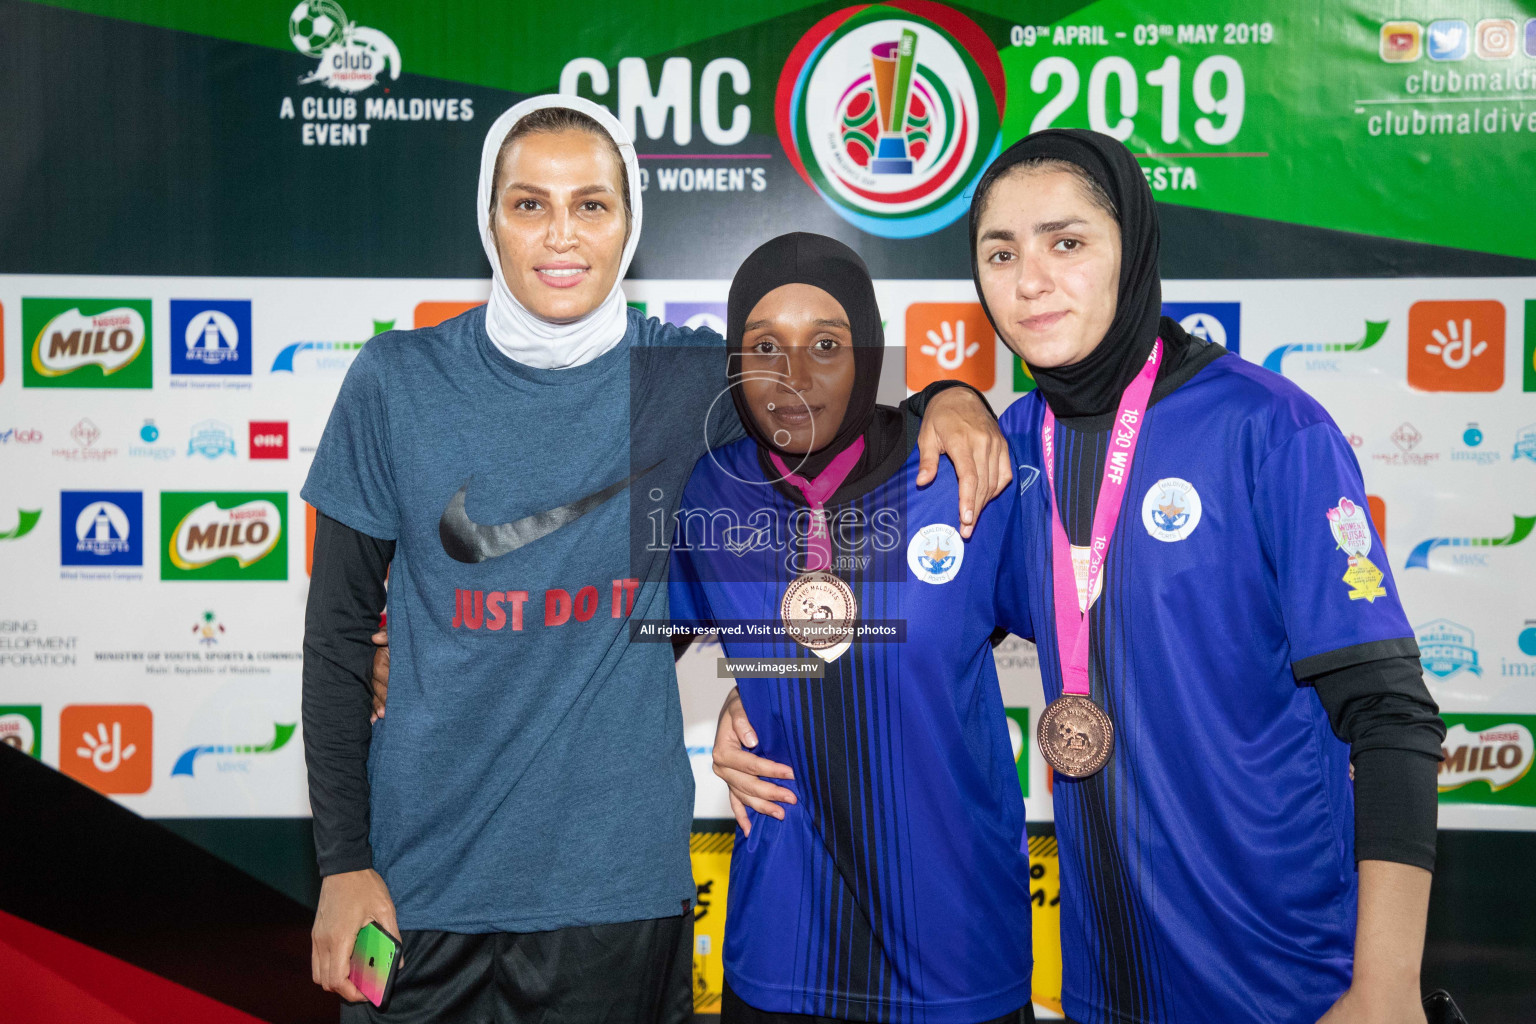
1092	386
825	263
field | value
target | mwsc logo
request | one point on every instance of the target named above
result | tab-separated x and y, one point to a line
1418	558
891	112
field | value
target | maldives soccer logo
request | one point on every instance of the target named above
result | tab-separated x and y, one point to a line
891	112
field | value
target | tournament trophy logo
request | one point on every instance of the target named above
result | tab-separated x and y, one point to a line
891	112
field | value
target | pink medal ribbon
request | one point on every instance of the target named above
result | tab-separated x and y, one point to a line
1075	734
818	539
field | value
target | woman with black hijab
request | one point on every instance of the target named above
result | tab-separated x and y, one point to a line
1244	748
895	887
1220	665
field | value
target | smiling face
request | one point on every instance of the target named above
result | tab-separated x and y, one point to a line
559	224
1048	265
798	368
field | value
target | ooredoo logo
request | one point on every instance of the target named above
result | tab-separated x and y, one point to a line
891	112
86	343
1456	345
269	439
950	341
109	747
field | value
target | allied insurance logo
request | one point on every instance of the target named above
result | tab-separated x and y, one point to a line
891	112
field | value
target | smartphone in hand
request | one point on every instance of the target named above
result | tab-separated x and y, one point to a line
375	962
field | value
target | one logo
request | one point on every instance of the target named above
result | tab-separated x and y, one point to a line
1488	760
351	56
1171	509
1448	40
109	747
186	764
709	316
1495	39
1406	437
1352	532
211	336
86	343
1400	41
21	728
101	528
935	553
1445	649
1374	329
950	341
324	355
1217	322
149	433
1456	345
1419	557
223	536
892	117
465	540
430	314
269	439
210	439
1525	443
25	520
208	629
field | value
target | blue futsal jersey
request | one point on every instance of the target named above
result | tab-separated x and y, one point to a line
1207	873
897	889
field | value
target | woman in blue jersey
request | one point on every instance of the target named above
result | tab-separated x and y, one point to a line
1253	838
896	888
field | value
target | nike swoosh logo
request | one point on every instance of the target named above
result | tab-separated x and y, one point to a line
468	541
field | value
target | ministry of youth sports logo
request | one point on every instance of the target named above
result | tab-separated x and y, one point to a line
351	56
891	112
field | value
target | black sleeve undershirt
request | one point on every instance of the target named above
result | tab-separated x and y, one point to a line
346	597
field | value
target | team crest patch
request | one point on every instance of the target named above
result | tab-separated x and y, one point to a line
935	553
1352	531
1171	509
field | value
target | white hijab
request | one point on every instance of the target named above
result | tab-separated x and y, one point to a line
519	333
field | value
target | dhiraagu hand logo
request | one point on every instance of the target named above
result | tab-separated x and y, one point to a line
891	113
223	536
86	343
1374	330
1475	556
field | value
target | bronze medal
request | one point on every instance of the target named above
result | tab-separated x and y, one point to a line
1075	736
819	611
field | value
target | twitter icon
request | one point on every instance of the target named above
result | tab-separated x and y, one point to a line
1448	40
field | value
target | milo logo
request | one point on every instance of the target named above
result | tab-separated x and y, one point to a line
230	536
86	343
1487	759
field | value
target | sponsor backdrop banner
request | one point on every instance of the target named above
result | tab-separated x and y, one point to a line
213	210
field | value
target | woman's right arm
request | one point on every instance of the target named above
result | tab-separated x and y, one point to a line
346	597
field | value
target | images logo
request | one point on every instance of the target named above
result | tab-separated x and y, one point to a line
1448	40
950	341
1217	322
101	528
351	56
1456	346
109	747
1488	760
1374	329
21	727
1446	649
269	439
1419	557
86	343
211	439
229	536
25	520
891	113
211	336
1400	41
329	355
186	763
1495	39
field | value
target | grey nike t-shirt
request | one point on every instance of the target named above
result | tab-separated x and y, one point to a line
530	773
